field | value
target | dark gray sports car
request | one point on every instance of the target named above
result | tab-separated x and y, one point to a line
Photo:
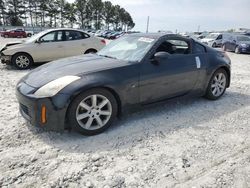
88	92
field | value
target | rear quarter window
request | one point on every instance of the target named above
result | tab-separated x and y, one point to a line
199	49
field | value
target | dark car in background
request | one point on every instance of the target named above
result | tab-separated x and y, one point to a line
88	92
14	33
238	44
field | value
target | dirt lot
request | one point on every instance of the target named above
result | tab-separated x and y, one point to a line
182	143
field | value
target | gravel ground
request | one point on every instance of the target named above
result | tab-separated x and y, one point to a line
181	143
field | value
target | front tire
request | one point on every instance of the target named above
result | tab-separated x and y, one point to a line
237	50
217	85
224	48
22	61
92	112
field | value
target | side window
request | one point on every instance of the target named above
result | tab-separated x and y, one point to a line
219	37
198	48
52	37
176	46
75	35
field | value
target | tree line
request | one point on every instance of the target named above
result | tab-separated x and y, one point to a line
87	14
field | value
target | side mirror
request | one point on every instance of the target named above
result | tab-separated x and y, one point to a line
160	56
38	41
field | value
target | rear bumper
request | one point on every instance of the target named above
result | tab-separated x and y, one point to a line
31	110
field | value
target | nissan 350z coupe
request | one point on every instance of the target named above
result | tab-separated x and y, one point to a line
88	92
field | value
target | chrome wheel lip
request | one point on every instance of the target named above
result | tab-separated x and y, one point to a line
22	61
219	84
95	115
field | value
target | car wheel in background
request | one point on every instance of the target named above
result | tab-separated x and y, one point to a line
237	50
224	48
217	85
90	51
6	36
92	112
22	61
29	35
213	45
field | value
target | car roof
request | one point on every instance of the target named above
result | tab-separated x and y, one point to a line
59	29
154	35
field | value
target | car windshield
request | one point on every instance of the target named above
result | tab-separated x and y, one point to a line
128	48
243	38
212	36
36	36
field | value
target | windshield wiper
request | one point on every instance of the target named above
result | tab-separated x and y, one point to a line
108	56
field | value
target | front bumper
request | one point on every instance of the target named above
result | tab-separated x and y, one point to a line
31	109
5	59
245	49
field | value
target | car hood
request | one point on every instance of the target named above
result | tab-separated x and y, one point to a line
245	42
9	45
73	66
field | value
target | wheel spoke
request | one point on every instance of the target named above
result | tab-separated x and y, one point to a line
221	86
85	106
213	85
89	123
105	113
94	100
82	116
214	91
99	121
104	102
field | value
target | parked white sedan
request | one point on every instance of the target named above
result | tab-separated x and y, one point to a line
50	45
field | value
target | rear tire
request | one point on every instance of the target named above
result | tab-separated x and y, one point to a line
217	85
92	112
22	61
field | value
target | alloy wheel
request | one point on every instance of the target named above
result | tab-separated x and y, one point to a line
219	84
22	61
93	112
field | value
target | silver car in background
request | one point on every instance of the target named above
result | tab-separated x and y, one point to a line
50	45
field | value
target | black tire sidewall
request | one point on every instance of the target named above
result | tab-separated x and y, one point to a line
209	94
23	54
71	114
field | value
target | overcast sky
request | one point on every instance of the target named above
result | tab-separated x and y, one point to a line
187	15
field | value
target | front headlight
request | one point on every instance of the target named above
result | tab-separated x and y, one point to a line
53	87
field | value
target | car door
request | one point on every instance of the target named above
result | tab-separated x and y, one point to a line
49	47
232	44
174	76
219	40
76	43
